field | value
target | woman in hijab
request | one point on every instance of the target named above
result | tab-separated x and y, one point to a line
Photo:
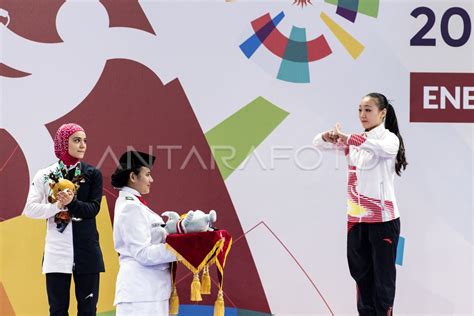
72	241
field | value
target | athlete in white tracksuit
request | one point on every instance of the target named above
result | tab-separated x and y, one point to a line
374	157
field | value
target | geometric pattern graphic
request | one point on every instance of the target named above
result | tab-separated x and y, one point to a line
295	70
295	51
295	48
348	9
400	250
236	137
350	43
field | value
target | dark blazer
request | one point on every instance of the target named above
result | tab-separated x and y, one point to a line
85	206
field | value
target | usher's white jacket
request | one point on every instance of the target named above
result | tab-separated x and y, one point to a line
139	238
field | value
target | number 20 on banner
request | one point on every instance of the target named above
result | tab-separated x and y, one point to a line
420	38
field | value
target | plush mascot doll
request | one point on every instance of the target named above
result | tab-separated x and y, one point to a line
57	185
191	222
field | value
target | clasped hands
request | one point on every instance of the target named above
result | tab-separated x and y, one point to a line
335	135
64	198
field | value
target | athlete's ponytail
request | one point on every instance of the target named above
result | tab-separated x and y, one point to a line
391	124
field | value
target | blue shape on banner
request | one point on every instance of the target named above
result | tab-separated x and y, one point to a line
250	45
203	310
349	5
253	42
347	14
295	71
400	250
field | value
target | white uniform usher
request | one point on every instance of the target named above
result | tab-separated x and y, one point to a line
139	238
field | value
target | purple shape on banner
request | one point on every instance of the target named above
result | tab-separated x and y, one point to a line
346	14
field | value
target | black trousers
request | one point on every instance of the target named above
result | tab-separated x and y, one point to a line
371	253
86	288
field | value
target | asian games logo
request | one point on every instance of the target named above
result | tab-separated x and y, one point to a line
296	51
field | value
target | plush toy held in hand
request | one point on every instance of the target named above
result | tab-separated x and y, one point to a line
57	185
191	222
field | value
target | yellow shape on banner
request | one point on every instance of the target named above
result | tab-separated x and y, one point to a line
353	46
355	210
111	261
21	252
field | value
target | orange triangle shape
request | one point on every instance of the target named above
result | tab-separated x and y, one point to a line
5	305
